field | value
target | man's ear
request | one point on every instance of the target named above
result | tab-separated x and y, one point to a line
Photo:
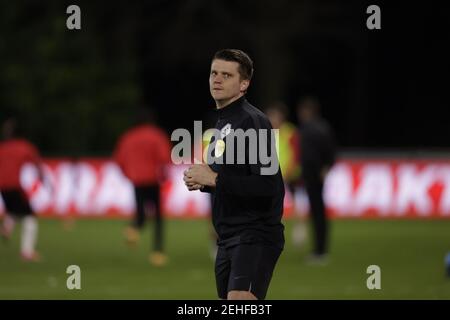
244	85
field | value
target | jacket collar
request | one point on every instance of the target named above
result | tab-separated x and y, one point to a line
231	109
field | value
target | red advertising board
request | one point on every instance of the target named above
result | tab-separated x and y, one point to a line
354	188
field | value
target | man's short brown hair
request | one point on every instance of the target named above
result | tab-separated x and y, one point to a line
239	56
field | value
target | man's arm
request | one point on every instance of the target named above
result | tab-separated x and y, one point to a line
206	189
253	185
201	177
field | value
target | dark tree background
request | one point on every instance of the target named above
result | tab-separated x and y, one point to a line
76	91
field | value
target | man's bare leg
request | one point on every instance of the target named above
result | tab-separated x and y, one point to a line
7	227
28	239
241	295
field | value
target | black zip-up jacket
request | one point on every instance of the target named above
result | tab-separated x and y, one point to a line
318	147
247	205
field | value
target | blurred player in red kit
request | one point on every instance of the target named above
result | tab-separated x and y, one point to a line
142	154
14	153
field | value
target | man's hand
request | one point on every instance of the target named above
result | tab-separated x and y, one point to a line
199	175
193	186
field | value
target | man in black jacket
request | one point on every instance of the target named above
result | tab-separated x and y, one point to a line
247	189
317	156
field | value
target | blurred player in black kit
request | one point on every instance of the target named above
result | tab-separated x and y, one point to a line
317	156
247	204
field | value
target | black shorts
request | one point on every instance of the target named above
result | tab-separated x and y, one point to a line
16	203
245	267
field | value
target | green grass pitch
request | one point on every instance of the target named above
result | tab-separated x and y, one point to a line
410	254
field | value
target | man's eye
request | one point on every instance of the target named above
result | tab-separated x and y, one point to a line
213	73
226	75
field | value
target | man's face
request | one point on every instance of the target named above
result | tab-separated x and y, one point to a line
225	83
305	114
276	118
